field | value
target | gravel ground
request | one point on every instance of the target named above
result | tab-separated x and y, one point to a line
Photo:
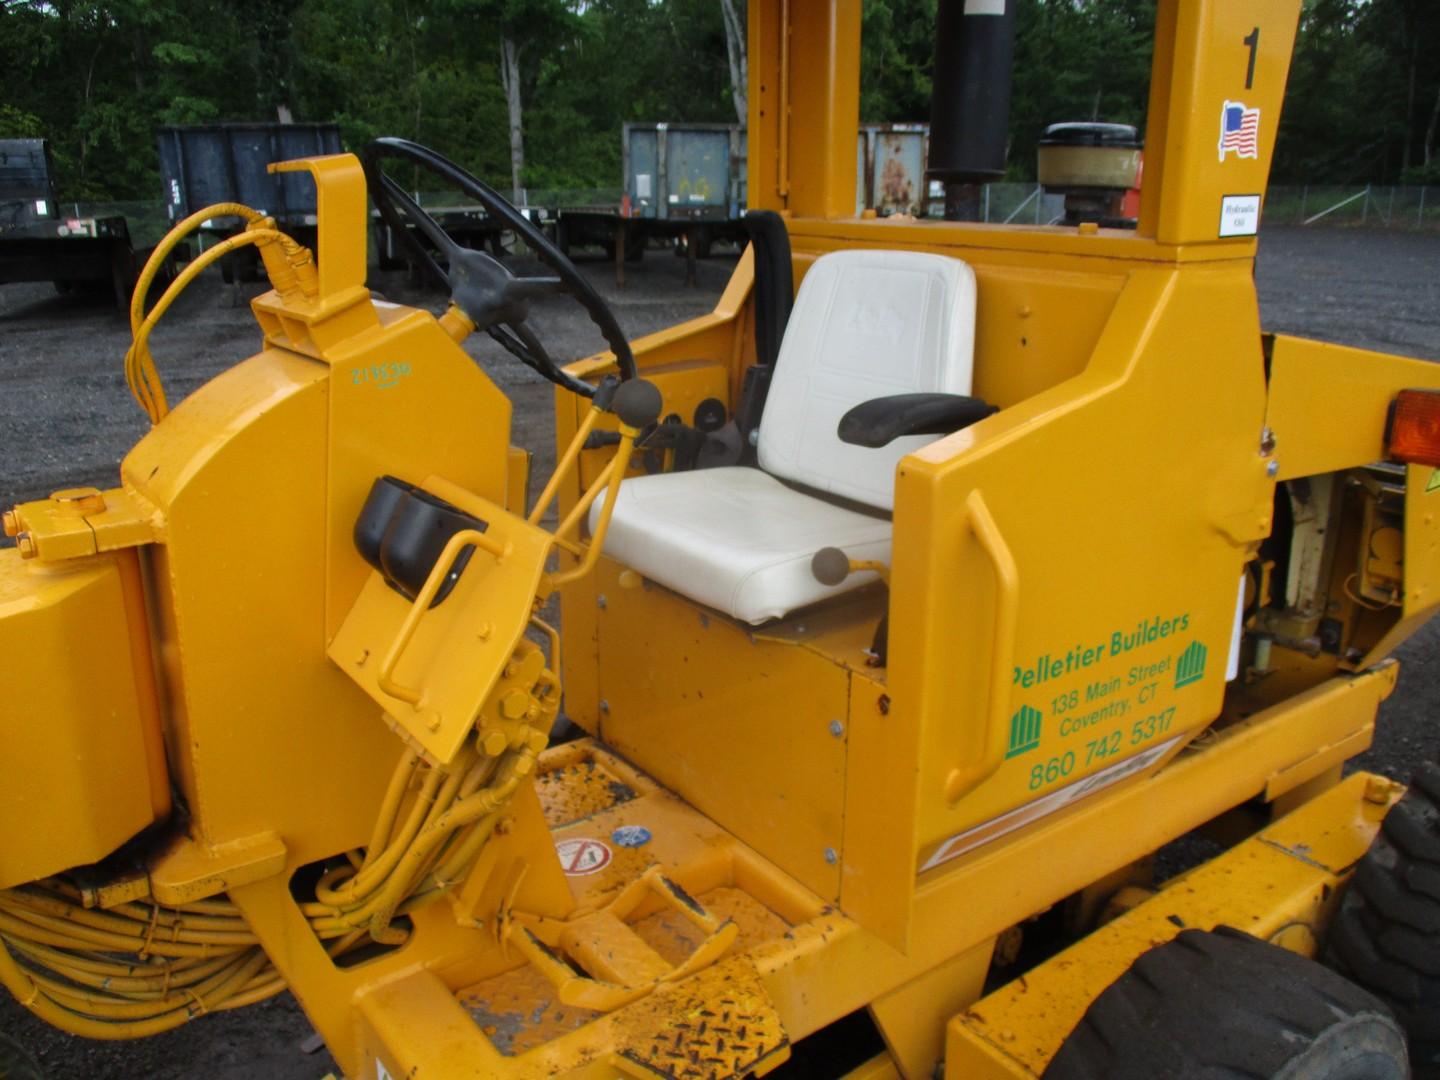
66	419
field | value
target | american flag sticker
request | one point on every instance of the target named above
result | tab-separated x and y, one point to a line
1239	131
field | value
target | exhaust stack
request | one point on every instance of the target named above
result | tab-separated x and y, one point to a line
970	99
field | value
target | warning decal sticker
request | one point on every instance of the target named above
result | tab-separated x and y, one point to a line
582	856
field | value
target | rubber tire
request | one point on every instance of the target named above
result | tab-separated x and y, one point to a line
15	1062
1386	935
1225	1004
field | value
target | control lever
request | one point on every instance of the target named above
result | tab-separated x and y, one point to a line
831	566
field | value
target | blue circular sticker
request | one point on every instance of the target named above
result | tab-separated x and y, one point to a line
631	836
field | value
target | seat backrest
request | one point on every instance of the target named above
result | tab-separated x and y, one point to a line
866	324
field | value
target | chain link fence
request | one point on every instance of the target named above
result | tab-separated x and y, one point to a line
1369	204
1018	204
1372	205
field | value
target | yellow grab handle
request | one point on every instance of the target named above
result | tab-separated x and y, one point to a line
963	779
427	593
608	480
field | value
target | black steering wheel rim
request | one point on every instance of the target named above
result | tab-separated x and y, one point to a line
513	336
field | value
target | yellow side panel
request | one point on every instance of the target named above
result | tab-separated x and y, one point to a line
740	726
263	727
1329	403
1035	328
73	720
874	815
1091	624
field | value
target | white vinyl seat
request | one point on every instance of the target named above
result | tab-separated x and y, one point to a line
865	324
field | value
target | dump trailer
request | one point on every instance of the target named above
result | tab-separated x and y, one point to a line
687	183
962	579
683	183
205	164
40	243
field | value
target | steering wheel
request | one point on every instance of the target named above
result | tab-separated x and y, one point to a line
493	298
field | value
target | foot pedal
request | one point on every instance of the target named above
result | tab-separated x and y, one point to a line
619	967
719	1023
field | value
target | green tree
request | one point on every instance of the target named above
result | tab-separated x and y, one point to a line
897	57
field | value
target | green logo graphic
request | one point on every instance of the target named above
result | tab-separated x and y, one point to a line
1433	484
1191	665
1024	731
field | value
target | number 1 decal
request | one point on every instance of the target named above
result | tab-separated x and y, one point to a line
1251	39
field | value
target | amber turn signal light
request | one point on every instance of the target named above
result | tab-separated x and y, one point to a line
1415	427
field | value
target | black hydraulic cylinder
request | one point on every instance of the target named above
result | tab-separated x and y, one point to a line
970	102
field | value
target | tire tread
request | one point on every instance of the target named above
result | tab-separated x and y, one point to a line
1163	1016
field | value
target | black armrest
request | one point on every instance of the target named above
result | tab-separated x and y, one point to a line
880	421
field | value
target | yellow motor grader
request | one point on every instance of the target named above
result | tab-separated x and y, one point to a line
940	593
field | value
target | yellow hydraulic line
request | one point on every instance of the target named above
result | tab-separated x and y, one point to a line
464	843
424	810
390	805
463	813
478	773
383	866
127	929
136	1009
336	926
362	912
338	945
172	239
252	995
128	915
61	932
165	916
442	804
29	993
103	998
453	869
139	367
77	969
17	901
451	787
341	927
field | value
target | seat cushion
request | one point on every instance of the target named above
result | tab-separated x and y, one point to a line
736	539
866	324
